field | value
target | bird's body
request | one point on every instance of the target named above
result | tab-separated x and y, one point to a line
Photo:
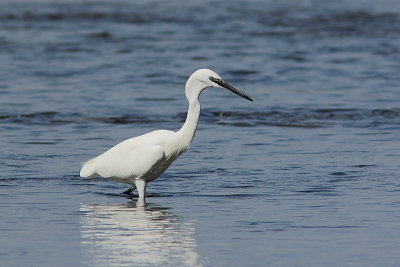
143	157
139	160
147	155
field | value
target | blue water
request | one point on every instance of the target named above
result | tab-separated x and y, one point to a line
306	175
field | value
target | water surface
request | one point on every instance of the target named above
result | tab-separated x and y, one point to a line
306	175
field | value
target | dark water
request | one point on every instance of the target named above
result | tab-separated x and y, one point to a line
307	175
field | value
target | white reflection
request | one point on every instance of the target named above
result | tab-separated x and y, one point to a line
136	234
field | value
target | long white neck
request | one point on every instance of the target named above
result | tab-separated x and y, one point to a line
188	130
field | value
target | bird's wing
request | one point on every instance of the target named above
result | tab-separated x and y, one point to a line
124	160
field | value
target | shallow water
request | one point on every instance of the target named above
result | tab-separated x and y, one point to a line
306	175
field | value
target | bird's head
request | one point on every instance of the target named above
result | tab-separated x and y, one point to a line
203	78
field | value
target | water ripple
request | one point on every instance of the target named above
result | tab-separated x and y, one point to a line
303	118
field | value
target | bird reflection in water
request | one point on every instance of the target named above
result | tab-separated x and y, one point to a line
136	234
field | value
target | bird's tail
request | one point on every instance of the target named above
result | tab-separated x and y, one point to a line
87	170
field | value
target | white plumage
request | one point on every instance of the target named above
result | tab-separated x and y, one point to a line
139	160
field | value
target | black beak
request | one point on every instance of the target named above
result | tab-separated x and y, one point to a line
229	87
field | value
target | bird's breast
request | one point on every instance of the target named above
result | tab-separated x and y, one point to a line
162	165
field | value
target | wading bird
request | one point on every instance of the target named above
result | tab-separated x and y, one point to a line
139	160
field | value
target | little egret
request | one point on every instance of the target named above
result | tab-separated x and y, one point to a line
139	160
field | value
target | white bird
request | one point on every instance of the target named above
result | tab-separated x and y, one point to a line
139	160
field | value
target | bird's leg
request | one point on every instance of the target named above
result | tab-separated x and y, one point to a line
129	191
141	203
141	187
